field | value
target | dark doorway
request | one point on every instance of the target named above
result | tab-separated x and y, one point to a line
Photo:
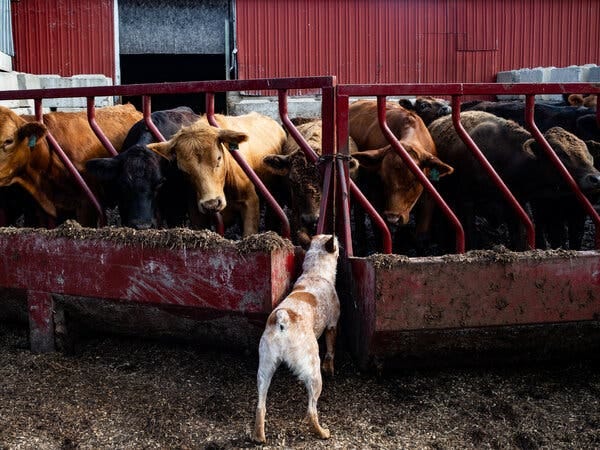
159	68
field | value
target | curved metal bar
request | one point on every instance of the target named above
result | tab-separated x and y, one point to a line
91	115
285	223
523	217
291	128
417	172
147	111
539	137
55	146
378	222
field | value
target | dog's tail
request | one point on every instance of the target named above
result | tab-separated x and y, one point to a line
282	319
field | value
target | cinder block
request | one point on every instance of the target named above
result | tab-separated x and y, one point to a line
74	103
571	74
592	74
9	81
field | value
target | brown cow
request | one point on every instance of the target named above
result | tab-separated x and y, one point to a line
27	161
302	178
388	182
201	151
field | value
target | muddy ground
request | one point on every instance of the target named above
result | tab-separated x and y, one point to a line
131	393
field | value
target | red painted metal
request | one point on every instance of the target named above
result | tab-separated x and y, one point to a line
491	172
285	223
91	115
55	146
418	173
469	292
147	111
40	306
64	37
221	278
539	137
342	105
389	41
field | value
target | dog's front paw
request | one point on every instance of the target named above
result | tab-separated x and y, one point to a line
324	433
259	439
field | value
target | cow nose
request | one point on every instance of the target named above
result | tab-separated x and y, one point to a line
141	225
395	219
213	205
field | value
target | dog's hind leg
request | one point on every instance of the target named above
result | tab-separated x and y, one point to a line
330	335
266	369
314	384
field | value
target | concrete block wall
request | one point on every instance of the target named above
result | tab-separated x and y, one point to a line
21	81
571	74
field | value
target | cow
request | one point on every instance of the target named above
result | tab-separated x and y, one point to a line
303	180
520	162
148	188
386	180
428	108
202	153
26	159
585	100
579	121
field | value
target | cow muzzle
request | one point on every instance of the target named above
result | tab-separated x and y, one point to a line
214	205
395	219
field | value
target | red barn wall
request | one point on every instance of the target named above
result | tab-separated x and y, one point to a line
402	41
64	37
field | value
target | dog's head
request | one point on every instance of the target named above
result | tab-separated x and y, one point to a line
324	243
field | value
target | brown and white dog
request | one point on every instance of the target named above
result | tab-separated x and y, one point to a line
293	328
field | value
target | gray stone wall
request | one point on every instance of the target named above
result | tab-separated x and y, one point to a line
173	27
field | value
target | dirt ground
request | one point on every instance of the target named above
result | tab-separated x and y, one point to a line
129	393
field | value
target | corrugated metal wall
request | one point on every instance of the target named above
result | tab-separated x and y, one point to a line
6	42
410	41
64	37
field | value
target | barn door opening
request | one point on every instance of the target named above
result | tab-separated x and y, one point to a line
159	68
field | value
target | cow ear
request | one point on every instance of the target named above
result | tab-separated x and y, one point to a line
330	245
531	146
232	137
371	159
406	103
436	168
278	164
303	239
105	169
164	149
32	132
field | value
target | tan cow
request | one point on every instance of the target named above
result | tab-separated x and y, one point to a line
202	152
26	159
395	189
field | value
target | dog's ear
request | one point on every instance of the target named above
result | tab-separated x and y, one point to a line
330	245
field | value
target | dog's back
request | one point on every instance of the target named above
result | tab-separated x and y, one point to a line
293	328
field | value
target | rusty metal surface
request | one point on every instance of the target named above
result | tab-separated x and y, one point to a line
220	279
470	291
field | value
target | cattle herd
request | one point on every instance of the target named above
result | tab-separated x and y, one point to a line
188	178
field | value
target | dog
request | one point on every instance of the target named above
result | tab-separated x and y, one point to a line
293	328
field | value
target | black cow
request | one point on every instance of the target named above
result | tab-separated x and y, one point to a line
577	120
523	166
428	108
148	188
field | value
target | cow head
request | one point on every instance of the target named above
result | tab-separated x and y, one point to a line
134	177
18	138
200	152
428	108
574	154
401	187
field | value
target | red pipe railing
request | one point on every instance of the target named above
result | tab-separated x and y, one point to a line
55	146
285	224
417	172
539	137
489	169
147	112
342	105
91	115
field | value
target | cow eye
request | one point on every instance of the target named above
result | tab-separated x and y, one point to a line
8	142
